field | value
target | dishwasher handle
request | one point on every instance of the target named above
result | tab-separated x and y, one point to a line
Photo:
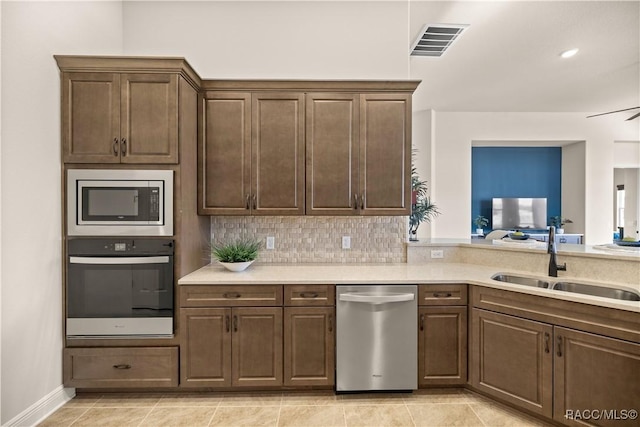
369	298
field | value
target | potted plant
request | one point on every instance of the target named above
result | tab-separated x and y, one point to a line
236	255
421	207
558	222
480	222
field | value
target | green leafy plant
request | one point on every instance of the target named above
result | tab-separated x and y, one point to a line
558	221
480	221
237	251
422	209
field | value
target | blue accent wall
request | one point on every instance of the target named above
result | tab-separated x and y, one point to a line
515	172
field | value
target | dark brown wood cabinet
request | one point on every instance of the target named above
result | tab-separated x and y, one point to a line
593	372
120	117
442	335
529	351
512	359
121	367
252	154
305	147
238	343
309	335
358	153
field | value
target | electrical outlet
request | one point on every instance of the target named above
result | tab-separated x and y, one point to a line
437	253
271	242
346	242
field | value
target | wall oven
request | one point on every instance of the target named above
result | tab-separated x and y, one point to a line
117	202
119	288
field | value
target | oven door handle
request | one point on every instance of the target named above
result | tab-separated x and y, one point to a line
119	260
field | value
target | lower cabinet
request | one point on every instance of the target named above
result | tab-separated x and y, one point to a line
577	378
121	367
239	346
511	359
442	335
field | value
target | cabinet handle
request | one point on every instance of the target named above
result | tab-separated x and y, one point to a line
309	295
355	200
226	322
124	146
122	366
255	202
248	201
331	323
235	323
362	201
231	295
115	147
559	349
546	342
437	295
422	322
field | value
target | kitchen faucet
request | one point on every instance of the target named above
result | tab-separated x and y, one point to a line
553	250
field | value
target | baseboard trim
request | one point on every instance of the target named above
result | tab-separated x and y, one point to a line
44	407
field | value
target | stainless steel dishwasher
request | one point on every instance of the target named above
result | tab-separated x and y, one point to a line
376	337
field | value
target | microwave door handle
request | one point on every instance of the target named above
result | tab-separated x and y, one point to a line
119	260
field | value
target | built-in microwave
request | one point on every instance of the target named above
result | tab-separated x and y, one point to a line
117	202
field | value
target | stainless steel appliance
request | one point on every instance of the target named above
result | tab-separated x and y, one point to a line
376	337
119	287
116	202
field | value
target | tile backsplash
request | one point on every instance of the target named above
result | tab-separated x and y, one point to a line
318	239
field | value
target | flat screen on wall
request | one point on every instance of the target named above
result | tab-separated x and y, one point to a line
519	213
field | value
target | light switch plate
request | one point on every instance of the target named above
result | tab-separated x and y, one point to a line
346	242
271	242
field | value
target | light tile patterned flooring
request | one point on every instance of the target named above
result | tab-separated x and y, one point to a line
442	407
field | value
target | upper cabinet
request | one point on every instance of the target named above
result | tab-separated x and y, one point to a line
121	110
252	154
318	148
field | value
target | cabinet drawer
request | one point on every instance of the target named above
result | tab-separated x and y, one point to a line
121	367
318	295
442	295
230	296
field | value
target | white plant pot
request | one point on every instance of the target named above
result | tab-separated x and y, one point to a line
479	231
236	266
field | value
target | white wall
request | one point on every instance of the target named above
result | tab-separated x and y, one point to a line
574	186
30	283
262	40
451	172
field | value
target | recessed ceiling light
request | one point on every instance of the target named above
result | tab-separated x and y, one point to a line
569	53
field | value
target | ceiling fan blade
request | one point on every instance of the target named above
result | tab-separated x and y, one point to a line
633	117
611	112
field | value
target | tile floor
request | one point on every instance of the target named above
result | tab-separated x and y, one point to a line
444	407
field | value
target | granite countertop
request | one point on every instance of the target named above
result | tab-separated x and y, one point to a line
401	273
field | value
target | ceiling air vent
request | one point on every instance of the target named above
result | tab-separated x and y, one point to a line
435	39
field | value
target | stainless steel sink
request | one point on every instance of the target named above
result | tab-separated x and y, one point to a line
598	291
521	280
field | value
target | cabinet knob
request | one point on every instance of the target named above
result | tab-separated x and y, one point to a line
123	366
248	200
226	322
231	295
362	201
331	323
235	323
255	202
124	146
355	201
546	342
422	322
115	147
559	344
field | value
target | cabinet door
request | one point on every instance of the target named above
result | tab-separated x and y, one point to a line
277	151
309	346
385	153
442	346
205	347
332	153
149	118
511	358
224	171
257	346
595	373
91	117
